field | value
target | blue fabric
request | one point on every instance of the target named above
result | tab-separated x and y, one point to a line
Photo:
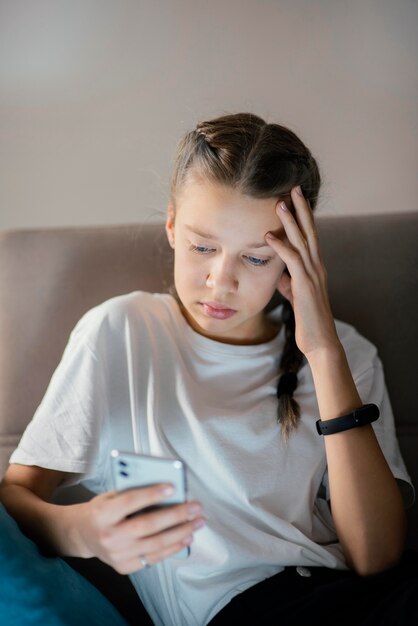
45	591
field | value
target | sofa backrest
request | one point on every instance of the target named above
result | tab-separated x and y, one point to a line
50	277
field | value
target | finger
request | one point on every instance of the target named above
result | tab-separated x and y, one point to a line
151	557
134	563
146	524
294	234
305	220
170	537
121	504
163	540
154	522
290	256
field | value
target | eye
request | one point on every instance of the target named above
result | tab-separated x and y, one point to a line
200	249
258	262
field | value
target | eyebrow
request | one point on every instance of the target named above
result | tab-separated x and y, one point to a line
211	237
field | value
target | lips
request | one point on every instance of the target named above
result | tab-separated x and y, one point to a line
217	310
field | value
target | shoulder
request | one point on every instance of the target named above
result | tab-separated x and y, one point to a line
137	309
136	304
362	354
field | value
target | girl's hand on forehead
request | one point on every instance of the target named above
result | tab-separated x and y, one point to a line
306	288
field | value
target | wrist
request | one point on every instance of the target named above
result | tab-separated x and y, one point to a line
65	528
334	385
326	356
71	522
362	416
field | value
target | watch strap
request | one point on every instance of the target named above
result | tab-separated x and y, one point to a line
366	414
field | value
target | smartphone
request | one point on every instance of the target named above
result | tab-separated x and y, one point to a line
130	470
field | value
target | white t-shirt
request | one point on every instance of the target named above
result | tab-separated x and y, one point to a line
134	360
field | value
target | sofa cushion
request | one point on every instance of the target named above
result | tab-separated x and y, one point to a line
45	591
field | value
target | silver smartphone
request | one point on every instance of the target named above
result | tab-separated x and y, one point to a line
131	470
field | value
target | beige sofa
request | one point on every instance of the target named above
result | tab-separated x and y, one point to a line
50	277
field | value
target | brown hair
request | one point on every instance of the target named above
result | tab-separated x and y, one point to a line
260	160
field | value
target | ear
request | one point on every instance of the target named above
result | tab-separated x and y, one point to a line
169	224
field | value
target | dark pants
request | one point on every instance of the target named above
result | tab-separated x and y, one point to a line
329	597
288	599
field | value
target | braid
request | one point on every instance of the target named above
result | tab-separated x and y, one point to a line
288	410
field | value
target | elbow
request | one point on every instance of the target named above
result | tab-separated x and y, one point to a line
370	563
375	566
3	491
374	552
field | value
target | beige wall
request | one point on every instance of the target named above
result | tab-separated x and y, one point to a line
96	93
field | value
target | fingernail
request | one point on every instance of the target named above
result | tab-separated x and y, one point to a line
193	510
299	191
269	236
187	541
199	523
283	206
167	490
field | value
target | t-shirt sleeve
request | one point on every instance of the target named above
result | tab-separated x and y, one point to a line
371	387
63	433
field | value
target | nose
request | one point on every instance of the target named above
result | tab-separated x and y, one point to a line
222	277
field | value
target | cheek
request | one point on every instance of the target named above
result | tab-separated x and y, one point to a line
271	281
273	273
264	284
186	272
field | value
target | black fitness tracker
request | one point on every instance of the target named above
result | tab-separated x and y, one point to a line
359	417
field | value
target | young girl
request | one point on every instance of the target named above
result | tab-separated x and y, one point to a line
289	519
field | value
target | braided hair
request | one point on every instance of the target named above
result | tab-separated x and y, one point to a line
260	160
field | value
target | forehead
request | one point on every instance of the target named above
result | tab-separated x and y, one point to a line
210	207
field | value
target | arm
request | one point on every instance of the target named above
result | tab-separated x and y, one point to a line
366	502
101	527
25	492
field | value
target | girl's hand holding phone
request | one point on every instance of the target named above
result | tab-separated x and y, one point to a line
106	531
306	288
